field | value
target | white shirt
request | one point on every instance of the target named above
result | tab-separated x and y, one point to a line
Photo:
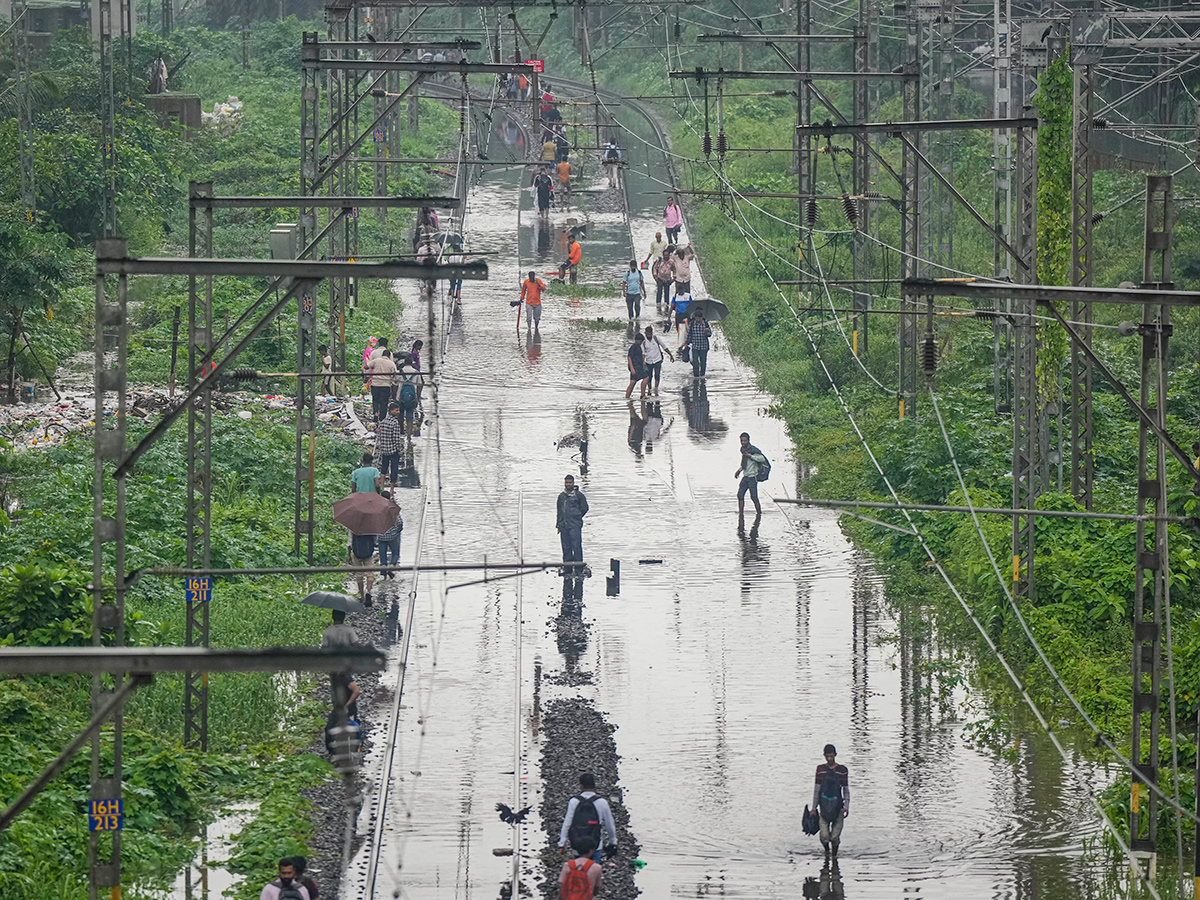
652	351
607	825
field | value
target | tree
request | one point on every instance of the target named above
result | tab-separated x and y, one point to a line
33	266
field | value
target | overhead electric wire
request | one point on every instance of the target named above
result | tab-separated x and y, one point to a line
1016	680
1032	639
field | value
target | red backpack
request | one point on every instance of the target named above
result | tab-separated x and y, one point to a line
577	885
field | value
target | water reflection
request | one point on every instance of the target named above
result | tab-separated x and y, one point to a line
570	631
827	886
533	346
637	427
656	427
756	558
701	421
544	240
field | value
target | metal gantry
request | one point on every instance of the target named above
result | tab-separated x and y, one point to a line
24	94
1152	561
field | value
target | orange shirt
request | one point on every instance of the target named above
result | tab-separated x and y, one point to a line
531	291
576	253
564	172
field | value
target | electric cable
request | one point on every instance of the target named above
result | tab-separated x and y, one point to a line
1017	682
1032	639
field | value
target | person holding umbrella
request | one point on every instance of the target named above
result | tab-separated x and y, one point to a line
366	516
698	333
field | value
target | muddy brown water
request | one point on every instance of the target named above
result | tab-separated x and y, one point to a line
725	667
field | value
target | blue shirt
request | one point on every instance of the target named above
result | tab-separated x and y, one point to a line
633	282
681	303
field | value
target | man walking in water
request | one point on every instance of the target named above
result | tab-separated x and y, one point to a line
752	459
572	507
831	797
589	819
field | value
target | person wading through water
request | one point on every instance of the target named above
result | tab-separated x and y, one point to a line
589	819
831	799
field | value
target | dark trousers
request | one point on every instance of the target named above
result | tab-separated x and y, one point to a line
633	303
654	372
673	234
390	467
663	297
379	401
572	544
699	360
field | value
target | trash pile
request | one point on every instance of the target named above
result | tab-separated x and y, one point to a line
225	116
48	424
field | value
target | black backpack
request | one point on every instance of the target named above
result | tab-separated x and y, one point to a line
291	893
764	468
829	799
362	546
585	824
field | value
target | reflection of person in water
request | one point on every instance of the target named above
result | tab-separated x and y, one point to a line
409	477
533	348
571	632
654	424
756	557
700	422
543	239
637	427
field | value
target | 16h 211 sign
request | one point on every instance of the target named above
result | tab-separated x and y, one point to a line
539	65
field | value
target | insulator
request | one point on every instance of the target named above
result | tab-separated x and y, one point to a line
722	143
929	354
1099	217
872	195
850	208
244	374
987	314
707	145
678	30
1099	123
810	212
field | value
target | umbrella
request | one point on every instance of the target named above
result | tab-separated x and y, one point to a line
714	310
366	513
334	600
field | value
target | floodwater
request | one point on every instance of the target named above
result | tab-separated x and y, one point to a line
726	662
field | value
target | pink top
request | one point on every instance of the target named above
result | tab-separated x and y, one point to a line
673	216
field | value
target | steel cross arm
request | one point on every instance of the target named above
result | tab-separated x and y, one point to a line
449	44
1167	441
774	47
275	284
945	182
324	202
728	36
988	510
430	161
871	148
828	129
218	369
972	289
701	74
406	65
413	84
184	572
154	660
48	774
312	270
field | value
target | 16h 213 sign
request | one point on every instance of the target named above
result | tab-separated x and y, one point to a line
106	815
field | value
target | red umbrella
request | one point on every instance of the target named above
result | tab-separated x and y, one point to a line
366	513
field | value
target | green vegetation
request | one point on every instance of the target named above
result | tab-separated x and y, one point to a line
1083	609
259	724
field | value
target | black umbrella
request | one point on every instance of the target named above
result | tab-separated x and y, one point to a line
334	600
714	310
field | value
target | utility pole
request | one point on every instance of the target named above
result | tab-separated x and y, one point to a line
20	14
1152	561
804	156
108	202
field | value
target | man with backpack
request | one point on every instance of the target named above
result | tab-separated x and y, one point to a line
612	161
753	469
588	821
285	887
831	798
580	878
